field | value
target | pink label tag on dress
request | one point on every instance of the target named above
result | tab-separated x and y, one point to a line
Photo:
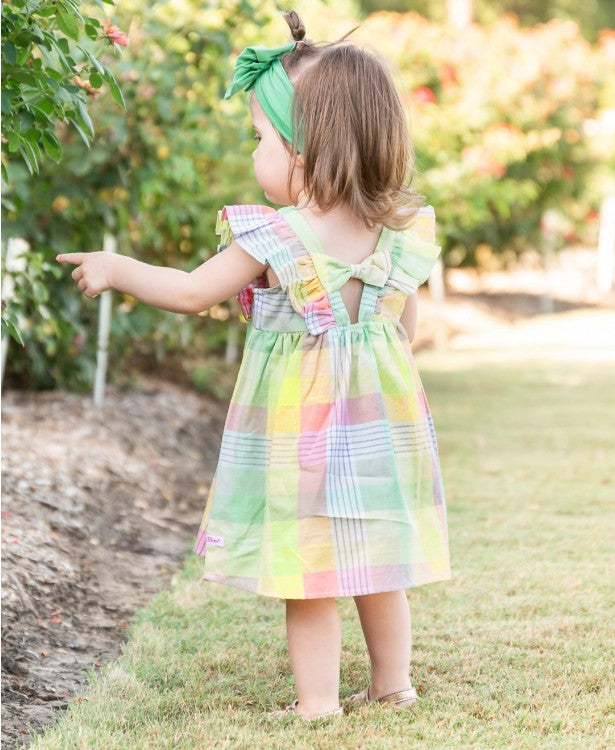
217	541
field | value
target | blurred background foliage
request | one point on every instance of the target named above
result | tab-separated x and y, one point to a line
499	118
590	15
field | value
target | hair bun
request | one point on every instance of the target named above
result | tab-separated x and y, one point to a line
295	24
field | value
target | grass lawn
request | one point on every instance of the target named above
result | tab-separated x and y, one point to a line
515	652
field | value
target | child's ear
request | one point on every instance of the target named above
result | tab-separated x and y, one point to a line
299	161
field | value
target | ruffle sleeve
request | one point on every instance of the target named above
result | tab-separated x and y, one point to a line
415	252
252	228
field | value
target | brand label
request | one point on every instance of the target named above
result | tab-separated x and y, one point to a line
216	541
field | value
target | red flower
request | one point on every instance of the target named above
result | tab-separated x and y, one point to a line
114	34
423	95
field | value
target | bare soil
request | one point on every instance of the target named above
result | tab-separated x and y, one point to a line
101	505
99	508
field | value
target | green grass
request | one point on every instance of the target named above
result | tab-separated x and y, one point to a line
515	652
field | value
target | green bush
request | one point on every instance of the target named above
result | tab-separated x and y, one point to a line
498	121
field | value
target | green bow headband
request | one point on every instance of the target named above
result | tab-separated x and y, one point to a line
260	68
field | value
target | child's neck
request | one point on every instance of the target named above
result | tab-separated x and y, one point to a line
338	222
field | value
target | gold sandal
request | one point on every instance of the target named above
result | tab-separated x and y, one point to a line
400	699
292	709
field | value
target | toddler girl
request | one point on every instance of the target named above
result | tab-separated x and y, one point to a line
328	482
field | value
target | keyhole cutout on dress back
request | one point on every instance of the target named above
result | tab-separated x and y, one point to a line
351	293
352	290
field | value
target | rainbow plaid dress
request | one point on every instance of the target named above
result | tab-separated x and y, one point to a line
328	481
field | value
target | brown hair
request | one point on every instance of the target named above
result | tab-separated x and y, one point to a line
356	144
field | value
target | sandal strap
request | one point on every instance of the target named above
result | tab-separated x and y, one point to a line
292	707
400	697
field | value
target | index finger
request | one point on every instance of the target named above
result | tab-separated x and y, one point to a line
75	258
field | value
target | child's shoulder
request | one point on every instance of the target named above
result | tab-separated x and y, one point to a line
242	217
257	228
424	224
415	252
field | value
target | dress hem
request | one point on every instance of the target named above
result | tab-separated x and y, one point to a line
214	578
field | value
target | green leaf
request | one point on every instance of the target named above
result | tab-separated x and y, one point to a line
84	137
46	105
5	107
68	25
31	136
72	8
96	79
46	10
28	157
23	76
9	328
9	51
54	74
14	140
114	88
91	31
26	120
92	60
84	117
54	43
5	173
37	33
41	117
52	146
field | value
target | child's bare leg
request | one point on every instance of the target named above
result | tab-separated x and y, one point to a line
385	620
314	634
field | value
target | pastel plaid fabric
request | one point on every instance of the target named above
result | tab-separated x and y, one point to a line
328	481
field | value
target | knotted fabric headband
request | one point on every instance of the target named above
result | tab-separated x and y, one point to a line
260	68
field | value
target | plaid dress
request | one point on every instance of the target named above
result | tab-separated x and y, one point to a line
328	481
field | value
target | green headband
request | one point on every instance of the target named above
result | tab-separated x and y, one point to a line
260	68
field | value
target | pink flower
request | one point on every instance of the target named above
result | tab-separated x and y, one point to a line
114	34
482	161
423	95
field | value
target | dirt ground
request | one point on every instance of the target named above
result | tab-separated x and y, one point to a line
100	505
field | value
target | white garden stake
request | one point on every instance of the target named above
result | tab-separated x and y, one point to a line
15	263
104	323
605	266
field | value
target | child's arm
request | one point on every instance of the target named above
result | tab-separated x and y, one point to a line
216	280
408	316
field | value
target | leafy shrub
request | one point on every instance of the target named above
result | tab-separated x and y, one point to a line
498	122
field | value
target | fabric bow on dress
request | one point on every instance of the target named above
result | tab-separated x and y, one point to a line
375	269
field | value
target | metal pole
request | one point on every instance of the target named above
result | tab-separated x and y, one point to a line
104	323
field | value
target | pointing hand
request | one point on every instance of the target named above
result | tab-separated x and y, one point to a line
92	272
